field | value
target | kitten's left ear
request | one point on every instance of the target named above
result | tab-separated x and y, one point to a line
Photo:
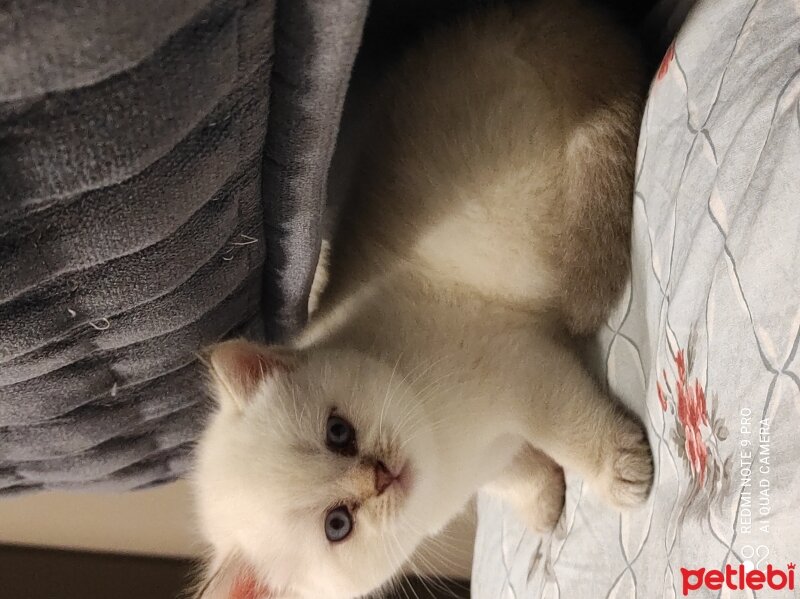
234	579
239	366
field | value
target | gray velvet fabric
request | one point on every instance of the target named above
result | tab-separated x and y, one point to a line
300	145
162	166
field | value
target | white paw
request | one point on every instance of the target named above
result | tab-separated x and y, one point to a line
628	476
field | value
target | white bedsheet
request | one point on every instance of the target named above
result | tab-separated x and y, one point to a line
706	336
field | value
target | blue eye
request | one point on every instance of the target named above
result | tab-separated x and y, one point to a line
338	524
340	436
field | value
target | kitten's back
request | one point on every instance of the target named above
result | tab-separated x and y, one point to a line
501	158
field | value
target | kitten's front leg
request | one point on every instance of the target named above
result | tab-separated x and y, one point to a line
568	417
534	486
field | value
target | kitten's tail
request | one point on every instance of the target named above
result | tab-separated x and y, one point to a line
593	244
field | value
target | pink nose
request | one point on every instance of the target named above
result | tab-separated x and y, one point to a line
383	477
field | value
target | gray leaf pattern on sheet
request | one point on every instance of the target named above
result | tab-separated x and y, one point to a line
704	344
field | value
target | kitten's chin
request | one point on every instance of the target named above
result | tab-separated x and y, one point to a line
405	479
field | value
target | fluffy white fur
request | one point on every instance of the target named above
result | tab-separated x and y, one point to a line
442	336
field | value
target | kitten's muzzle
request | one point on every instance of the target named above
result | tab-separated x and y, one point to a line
383	477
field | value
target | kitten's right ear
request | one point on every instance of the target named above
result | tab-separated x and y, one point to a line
239	366
234	579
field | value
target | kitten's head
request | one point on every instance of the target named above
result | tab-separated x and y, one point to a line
313	476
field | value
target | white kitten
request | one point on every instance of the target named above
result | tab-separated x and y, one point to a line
493	217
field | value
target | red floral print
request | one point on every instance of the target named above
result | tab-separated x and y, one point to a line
661	399
663	68
692	415
699	433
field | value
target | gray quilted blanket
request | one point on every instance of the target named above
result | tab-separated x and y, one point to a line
162	173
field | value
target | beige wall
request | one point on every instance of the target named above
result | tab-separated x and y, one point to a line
159	522
153	522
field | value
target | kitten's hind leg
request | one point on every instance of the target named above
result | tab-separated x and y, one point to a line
534	486
593	242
